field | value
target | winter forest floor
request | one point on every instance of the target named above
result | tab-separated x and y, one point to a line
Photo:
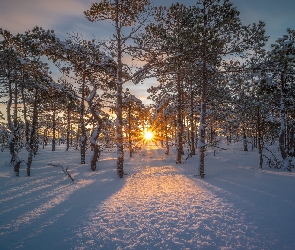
157	205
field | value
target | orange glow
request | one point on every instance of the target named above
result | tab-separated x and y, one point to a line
148	135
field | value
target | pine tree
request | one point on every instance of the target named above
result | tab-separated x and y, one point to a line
219	32
122	14
171	37
282	64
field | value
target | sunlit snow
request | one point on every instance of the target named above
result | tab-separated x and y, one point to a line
157	205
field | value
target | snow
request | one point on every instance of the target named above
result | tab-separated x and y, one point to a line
158	205
94	136
91	95
107	60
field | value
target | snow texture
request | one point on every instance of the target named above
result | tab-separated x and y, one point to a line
158	205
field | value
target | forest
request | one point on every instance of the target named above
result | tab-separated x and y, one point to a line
216	78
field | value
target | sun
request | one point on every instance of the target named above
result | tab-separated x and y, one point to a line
148	135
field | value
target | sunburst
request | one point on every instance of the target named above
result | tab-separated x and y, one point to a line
148	135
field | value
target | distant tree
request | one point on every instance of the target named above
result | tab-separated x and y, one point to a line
27	79
164	118
131	107
10	69
171	35
84	62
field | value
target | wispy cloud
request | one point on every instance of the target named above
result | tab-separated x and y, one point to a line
18	16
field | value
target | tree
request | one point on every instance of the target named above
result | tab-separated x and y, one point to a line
122	14
28	77
171	34
219	33
132	107
282	65
10	70
91	69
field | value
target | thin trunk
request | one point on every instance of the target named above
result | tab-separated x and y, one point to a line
179	121
211	134
201	144
15	128
119	119
283	120
202	128
82	125
9	122
27	124
287	158
259	139
32	140
71	142
129	129
245	143
44	133
166	136
53	128
68	126
9	103
46	136
15	108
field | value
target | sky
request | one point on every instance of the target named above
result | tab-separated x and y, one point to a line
66	16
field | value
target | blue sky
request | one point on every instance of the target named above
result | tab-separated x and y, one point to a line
66	16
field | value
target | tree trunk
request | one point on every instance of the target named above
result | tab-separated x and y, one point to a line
68	126
15	129
71	142
129	129
245	143
95	133
179	121
166	136
53	128
83	139
27	124
119	119
201	144
44	133
95	147
202	128
9	122
259	139
32	140
282	136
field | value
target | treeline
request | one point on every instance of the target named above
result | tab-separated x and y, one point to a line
76	109
215	78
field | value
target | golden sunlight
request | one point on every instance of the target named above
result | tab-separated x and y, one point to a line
148	135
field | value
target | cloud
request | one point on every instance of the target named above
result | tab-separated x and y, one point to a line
19	16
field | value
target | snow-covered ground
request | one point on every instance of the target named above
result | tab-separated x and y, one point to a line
157	205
